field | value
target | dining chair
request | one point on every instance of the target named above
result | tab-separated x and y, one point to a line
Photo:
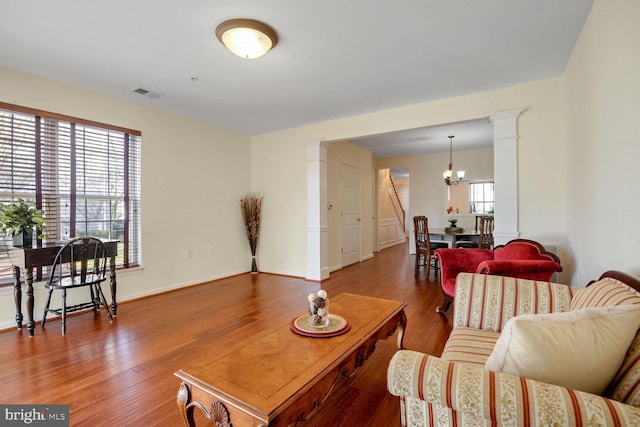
424	246
485	240
469	243
81	262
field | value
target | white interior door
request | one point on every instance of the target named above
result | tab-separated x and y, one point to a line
350	185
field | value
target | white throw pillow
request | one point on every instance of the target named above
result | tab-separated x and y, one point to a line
580	349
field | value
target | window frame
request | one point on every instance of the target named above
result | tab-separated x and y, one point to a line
484	200
109	144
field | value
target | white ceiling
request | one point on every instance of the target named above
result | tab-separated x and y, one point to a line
469	135
334	58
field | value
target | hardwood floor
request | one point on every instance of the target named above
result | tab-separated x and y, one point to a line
121	374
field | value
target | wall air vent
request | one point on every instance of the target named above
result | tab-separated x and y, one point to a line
146	93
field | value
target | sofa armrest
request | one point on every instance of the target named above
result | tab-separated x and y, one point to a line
526	269
488	301
457	260
475	393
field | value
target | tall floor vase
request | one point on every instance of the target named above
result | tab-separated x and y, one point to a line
254	264
251	206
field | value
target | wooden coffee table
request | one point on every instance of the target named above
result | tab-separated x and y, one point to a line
280	377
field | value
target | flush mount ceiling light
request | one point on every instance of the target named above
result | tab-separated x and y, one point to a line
247	38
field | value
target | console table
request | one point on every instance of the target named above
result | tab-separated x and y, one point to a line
278	378
28	258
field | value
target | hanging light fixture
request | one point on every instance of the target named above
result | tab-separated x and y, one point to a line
448	174
247	38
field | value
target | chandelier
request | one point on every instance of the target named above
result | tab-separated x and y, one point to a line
448	174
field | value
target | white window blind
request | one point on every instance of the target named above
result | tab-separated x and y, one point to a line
84	175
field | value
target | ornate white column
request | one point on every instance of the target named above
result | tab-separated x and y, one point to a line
505	175
317	229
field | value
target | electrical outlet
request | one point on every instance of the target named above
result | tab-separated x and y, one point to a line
210	250
189	253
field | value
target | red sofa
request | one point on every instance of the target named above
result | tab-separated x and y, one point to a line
521	258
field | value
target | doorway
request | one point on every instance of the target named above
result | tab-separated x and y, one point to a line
505	140
393	198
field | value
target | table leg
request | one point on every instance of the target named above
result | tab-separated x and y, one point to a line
186	411
17	295
218	412
31	324
114	286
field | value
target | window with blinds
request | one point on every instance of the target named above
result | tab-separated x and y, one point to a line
84	175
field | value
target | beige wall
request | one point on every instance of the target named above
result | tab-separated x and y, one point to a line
541	161
459	197
602	97
428	193
278	165
578	151
193	176
194	161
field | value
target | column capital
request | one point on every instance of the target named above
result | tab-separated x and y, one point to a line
316	142
316	150
509	114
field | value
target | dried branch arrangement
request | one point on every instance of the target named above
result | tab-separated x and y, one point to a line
251	207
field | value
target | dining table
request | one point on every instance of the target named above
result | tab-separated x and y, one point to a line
451	237
26	259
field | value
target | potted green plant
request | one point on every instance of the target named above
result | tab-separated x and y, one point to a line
453	221
18	220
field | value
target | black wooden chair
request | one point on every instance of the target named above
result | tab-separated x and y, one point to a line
82	262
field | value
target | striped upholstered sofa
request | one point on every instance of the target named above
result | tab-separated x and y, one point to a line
458	388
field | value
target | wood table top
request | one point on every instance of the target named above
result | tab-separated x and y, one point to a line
264	374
